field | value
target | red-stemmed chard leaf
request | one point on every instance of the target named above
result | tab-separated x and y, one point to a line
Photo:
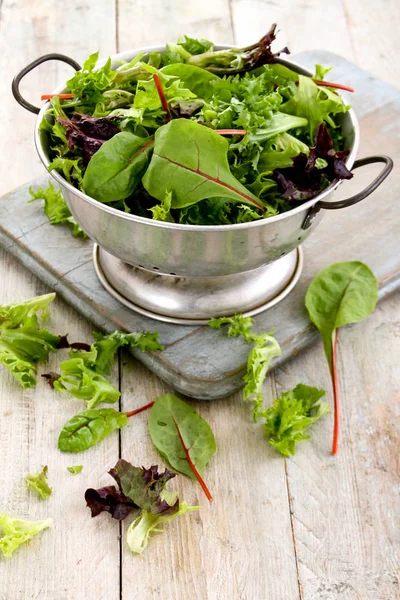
182	437
339	294
190	161
162	97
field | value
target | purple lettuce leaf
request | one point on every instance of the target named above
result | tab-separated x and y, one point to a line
144	486
88	133
109	499
303	180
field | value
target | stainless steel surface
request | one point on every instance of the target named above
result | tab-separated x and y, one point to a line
194	301
189	250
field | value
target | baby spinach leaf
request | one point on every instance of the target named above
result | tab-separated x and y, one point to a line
182	437
14	532
117	167
291	415
190	161
340	294
90	427
38	483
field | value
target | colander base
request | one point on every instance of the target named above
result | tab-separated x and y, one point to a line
193	301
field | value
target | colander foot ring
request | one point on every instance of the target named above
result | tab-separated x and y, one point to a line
193	301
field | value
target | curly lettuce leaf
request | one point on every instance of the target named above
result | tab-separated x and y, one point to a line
146	523
90	83
84	383
26	313
22	345
291	415
17	531
38	482
162	212
265	348
82	375
55	207
279	152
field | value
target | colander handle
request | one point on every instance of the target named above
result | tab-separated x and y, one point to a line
17	79
361	162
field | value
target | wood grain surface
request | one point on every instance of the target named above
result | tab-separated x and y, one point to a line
309	528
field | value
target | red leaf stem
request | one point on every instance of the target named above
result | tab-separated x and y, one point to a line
231	131
161	94
191	464
338	86
139	410
336	398
61	96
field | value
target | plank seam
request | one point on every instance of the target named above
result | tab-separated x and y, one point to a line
296	558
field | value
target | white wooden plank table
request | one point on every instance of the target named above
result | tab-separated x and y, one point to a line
310	528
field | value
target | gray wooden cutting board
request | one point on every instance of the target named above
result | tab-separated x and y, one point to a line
198	361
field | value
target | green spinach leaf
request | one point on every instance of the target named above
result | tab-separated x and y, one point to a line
90	427
116	168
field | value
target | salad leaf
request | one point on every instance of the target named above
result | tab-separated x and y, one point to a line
82	375
116	169
144	486
140	489
140	530
235	60
162	212
238	326
278	152
90	83
38	483
109	499
22	345
72	171
193	78
305	178
90	427
182	437
340	294
265	348
26	313
190	162
291	415
315	104
55	207
82	382
88	133
75	469
17	532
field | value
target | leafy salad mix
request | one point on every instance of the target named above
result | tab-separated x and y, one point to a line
198	136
